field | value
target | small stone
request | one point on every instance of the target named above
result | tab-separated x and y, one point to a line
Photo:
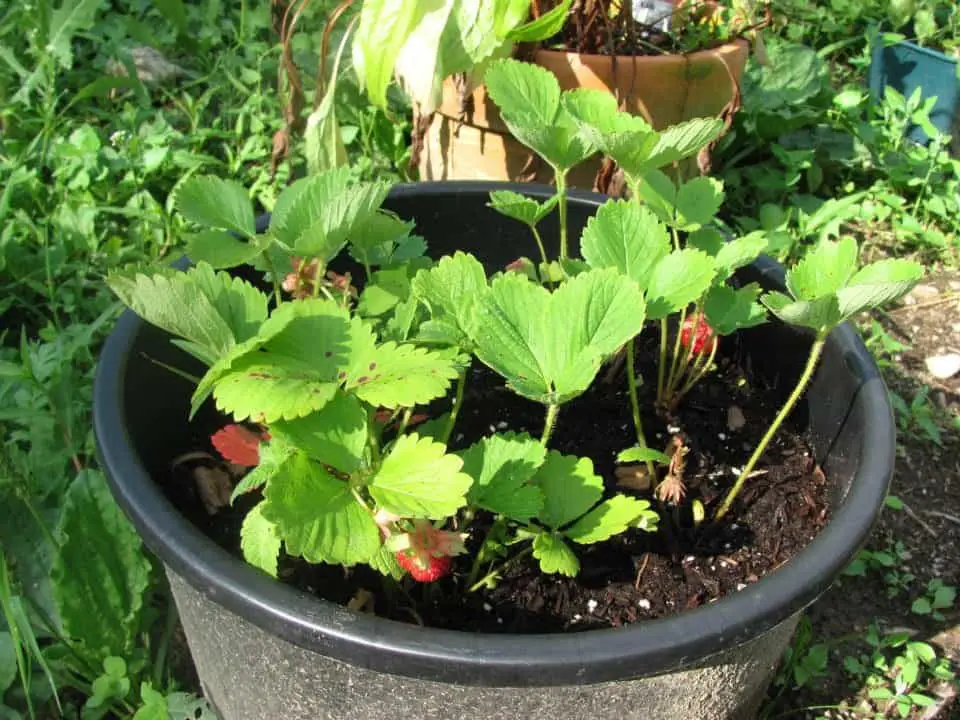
499	621
591	605
721	436
943	366
689	559
487	607
735	418
740	586
576	617
673	429
643	604
502	425
493	429
925	292
735	471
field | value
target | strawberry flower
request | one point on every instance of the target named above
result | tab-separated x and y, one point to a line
239	445
697	330
426	552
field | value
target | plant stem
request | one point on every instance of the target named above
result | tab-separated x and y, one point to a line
519	556
802	383
481	555
273	276
454	409
661	366
540	245
549	423
635	405
674	359
404	421
562	209
700	369
163	647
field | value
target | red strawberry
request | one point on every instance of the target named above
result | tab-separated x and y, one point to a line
424	570
238	445
696	329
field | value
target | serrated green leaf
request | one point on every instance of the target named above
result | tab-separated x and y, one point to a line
260	541
384	290
501	467
729	310
624	137
100	565
296	371
555	555
418	479
821	314
292	213
609	518
681	141
154	705
697	202
550	346
529	100
394	375
66	20
240	304
569	487
217	203
174	302
221	249
274	453
642	454
385	563
520	207
318	517
738	252
878	284
825	269
375	241
658	192
336	434
709	240
450	287
627	237
678	279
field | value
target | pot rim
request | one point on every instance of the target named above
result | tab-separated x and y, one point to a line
732	47
479	659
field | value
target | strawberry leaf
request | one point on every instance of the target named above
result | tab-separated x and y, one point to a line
296	370
529	100
738	252
260	541
376	241
335	435
520	207
697	202
393	376
609	518
679	279
819	315
627	237
419	479
502	466
658	193
318	517
878	284
680	141
221	249
642	454
273	455
210	310
449	288
825	269
569	486
216	203
555	555
729	310
550	346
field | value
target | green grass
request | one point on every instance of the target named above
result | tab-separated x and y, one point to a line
88	165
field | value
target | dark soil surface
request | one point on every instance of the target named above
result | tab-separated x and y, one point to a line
924	536
631	577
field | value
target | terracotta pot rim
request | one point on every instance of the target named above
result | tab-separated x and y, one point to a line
724	49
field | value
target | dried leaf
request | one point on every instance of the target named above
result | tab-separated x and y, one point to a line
238	445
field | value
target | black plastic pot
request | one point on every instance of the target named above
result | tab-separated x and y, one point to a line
265	650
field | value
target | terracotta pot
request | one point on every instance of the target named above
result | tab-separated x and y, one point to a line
664	89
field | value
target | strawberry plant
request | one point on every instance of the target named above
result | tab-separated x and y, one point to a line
323	381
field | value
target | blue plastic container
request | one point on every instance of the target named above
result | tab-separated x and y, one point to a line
905	67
